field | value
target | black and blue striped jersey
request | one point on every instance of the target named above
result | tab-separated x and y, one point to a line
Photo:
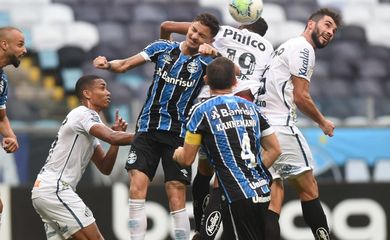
3	89
177	81
231	128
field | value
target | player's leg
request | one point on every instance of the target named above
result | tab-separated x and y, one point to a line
306	186
272	228
200	188
66	216
142	162
176	180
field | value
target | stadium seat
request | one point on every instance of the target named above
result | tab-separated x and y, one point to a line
352	33
336	87
348	51
5	18
112	34
57	13
182	12
273	13
82	34
356	170
146	32
26	16
382	170
69	78
372	68
378	33
299	11
381	12
71	56
150	13
341	69
89	13
119	13
368	87
48	59
357	13
47	36
279	32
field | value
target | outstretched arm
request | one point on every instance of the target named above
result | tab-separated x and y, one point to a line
10	142
119	65
116	135
169	27
307	106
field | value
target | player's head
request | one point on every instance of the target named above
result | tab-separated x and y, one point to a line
322	26
202	30
221	74
92	92
260	26
11	46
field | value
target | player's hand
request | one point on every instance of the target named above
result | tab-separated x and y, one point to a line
208	50
10	144
177	154
119	123
327	127
101	63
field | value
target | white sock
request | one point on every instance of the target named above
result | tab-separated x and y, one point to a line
137	219
181	224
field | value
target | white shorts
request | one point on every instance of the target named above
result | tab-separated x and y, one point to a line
63	214
296	156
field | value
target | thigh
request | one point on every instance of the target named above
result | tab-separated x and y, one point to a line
65	212
296	156
144	154
172	170
248	218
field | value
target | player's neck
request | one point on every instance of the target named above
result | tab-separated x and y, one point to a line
186	50
217	92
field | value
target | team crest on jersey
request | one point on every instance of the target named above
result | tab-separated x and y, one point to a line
192	67
167	59
132	157
95	117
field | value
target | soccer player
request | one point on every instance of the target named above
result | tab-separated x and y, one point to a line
249	50
286	87
177	80
12	49
232	131
63	212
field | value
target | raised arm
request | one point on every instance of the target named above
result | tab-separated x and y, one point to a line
119	65
10	142
169	27
115	136
307	106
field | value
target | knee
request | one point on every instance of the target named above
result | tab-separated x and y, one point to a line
176	192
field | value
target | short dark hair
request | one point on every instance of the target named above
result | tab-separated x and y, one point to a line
84	83
260	26
210	21
220	73
327	12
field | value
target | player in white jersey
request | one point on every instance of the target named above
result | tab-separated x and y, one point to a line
249	50
63	212
286	87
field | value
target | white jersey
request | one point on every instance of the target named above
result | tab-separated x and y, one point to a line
294	57
248	50
70	152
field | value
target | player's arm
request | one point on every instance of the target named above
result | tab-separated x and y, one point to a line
307	106
119	65
185	155
271	149
169	27
10	142
116	135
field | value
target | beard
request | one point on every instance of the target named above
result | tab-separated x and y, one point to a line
14	60
315	36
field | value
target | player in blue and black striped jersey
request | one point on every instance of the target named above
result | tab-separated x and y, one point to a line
12	49
177	80
233	131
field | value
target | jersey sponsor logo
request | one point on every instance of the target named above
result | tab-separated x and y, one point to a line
192	67
304	55
185	172
257	184
213	223
132	157
247	40
176	81
235	124
95	117
231	112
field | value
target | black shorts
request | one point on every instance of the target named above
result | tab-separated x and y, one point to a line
247	217
149	147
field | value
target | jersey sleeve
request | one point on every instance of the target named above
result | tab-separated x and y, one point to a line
151	52
301	59
194	120
89	119
265	127
3	90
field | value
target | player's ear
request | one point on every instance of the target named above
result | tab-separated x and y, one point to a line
3	44
86	94
205	80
